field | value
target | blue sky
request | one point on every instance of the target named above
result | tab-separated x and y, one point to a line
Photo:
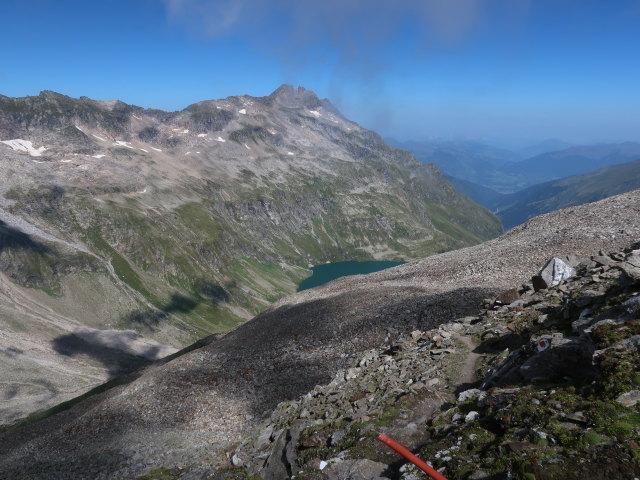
512	70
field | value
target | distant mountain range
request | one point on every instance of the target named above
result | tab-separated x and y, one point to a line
467	160
572	161
506	172
517	208
545	146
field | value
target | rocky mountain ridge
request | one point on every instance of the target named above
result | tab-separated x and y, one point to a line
189	413
177	225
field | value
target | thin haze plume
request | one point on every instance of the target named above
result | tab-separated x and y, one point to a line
345	21
352	38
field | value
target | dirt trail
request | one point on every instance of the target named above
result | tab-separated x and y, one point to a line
468	368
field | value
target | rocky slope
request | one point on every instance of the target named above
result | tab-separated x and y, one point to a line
194	411
558	377
518	207
181	224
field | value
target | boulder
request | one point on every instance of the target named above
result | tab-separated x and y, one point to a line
362	469
631	308
564	357
507	297
560	356
631	273
634	258
553	273
284	457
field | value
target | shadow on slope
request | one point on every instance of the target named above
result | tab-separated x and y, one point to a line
11	237
205	291
285	352
116	361
279	355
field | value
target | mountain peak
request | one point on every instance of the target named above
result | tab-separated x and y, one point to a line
289	96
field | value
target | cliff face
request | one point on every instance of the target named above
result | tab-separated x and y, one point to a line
181	224
194	410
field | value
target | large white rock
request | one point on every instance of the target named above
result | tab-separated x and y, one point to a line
556	271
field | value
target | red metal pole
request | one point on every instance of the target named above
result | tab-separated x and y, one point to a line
411	457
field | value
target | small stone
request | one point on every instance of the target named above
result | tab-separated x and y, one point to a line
417	335
478	475
577	417
471	394
540	433
472	416
631	343
629	399
236	461
602	260
351	373
542	318
337	437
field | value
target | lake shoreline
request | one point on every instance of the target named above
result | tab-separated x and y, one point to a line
328	272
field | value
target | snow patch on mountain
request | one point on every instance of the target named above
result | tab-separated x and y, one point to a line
122	143
25	146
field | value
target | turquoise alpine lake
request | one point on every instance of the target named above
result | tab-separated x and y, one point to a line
330	271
